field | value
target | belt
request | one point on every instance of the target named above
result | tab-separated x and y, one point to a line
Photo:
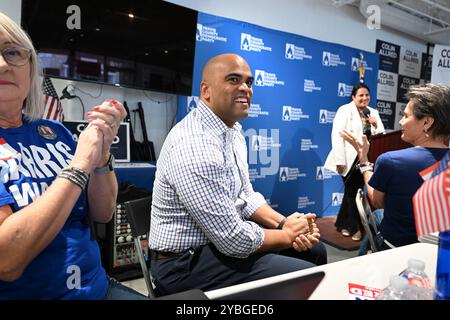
159	255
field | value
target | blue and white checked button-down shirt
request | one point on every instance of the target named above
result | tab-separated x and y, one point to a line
202	192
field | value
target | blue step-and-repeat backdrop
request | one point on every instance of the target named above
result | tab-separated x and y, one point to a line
299	84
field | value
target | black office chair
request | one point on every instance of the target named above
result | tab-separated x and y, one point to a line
138	212
365	212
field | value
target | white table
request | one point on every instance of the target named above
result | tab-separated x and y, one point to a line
372	270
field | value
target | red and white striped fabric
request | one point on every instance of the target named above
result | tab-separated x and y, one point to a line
432	201
53	108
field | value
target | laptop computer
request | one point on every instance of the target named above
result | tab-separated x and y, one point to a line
299	288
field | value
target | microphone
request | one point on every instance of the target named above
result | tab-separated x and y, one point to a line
367	129
366	112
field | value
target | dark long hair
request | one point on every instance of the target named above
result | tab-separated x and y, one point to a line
359	86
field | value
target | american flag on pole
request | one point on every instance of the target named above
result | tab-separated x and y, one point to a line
53	108
432	200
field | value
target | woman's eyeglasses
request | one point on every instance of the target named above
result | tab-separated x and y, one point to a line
16	56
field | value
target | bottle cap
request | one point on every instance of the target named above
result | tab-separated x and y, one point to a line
416	264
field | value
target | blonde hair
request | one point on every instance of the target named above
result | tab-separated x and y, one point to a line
33	105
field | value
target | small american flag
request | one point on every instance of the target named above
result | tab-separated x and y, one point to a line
432	200
53	108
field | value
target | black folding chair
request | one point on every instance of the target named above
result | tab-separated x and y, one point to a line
138	212
365	213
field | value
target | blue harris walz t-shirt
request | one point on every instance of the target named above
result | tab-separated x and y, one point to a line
69	267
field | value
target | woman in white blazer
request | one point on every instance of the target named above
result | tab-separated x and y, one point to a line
355	118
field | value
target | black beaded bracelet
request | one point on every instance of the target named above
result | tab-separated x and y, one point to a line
281	224
75	175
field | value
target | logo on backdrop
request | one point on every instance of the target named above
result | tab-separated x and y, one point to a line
266	79
283	174
263	142
264	150
310	86
355	65
191	103
293	114
326	116
336	199
256	143
208	34
252	43
323	174
326	57
344	90
199	32
444	58
303	202
259	78
388	50
289	174
306	145
293	52
286	113
289	54
387	86
386	78
331	60
255	111
385	107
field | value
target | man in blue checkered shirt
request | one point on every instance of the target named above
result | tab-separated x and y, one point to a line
209	229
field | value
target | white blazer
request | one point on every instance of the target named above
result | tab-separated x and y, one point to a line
342	153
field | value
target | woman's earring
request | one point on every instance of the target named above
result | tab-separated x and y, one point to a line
426	134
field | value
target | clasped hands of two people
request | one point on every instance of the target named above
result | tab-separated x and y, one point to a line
95	140
297	227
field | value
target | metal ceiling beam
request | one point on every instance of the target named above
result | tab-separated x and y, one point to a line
340	3
412	23
401	5
436	31
437	5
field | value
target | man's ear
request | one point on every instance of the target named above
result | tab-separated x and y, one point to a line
205	91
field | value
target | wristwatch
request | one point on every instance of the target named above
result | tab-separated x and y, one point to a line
109	166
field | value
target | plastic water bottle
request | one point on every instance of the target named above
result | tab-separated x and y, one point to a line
415	274
443	268
419	287
397	289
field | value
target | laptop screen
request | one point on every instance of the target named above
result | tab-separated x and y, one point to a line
299	288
